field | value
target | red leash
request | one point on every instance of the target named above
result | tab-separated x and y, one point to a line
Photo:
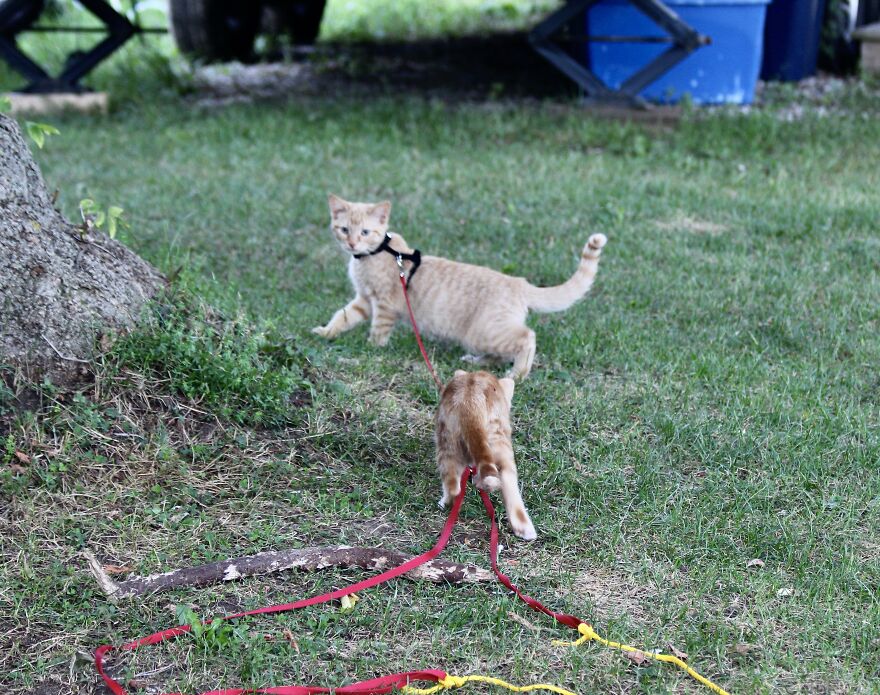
569	620
412	318
375	686
370	686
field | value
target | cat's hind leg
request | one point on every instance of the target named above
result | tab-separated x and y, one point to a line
517	515
450	477
352	314
523	348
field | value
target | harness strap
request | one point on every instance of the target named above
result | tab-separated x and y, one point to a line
384	246
415	257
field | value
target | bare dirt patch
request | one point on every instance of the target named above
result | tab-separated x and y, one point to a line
614	595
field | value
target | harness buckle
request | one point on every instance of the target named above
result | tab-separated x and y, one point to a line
399	260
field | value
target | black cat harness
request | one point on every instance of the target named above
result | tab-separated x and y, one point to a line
415	257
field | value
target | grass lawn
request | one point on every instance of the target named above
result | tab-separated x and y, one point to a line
713	401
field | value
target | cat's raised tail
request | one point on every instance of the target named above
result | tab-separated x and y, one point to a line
562	296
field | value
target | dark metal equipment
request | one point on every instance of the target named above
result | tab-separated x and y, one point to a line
225	29
549	37
18	16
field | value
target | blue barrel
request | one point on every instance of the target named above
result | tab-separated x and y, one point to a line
724	72
791	39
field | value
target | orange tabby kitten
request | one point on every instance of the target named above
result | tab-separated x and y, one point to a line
482	309
472	428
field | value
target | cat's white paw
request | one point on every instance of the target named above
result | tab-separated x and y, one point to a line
379	340
489	484
322	331
527	533
521	523
447	497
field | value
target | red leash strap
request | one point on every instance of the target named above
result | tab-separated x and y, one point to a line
569	620
412	319
388	681
374	686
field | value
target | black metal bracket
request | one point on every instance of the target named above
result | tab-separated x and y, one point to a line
17	16
684	39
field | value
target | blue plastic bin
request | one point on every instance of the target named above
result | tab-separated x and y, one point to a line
724	72
791	39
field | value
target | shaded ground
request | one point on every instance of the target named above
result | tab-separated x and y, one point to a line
483	68
476	67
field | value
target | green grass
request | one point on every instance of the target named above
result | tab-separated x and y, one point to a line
713	401
412	19
242	374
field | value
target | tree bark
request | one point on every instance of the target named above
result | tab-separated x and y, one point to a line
60	288
373	559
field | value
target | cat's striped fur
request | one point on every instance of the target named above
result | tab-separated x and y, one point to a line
480	308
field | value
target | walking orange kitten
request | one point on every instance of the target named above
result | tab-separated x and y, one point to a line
482	309
472	428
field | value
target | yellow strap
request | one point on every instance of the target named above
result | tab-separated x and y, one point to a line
450	682
588	634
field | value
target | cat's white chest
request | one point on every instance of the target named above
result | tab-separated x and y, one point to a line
371	277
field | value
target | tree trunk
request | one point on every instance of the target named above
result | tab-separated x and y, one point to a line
60	288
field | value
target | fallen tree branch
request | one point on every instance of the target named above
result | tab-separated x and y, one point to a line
309	559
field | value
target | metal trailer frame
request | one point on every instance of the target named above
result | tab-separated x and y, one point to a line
79	64
18	15
683	38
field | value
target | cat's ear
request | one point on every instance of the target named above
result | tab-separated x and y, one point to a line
338	206
380	212
459	372
507	387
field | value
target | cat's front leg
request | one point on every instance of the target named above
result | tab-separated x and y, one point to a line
355	312
384	318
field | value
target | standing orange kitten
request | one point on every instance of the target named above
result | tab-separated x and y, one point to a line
472	428
482	309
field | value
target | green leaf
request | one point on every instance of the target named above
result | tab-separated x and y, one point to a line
39	131
186	616
114	216
87	206
5	104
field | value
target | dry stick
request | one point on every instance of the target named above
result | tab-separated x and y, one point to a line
309	559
